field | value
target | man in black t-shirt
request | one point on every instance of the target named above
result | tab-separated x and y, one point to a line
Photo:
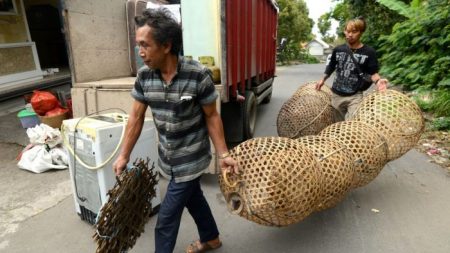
347	91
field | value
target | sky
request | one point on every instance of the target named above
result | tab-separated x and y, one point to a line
316	9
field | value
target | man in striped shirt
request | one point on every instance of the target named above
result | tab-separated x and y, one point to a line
182	99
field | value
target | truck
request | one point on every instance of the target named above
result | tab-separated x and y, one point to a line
238	36
237	39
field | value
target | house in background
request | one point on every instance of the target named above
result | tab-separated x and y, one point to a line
31	40
319	49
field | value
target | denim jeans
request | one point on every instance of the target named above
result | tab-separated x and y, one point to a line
180	195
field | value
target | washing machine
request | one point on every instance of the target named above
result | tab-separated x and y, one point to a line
94	139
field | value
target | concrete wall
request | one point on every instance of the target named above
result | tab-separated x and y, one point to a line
97	37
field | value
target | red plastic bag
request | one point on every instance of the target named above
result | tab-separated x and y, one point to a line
43	101
56	111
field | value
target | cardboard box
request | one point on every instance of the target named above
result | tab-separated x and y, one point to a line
53	121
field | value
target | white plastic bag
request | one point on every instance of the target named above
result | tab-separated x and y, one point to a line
38	159
44	134
59	156
46	153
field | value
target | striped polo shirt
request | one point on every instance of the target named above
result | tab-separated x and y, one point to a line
184	147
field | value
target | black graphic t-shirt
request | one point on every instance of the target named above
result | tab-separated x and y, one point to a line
346	80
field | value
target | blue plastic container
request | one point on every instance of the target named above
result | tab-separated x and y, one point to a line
28	118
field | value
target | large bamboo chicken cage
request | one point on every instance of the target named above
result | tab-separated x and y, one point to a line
367	146
395	117
307	112
336	163
279	181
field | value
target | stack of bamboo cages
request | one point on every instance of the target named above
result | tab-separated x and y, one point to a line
283	180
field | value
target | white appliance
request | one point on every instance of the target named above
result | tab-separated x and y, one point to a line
96	138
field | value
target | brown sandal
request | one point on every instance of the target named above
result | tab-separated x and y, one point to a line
197	247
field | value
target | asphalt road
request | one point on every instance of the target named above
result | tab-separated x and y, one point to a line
411	195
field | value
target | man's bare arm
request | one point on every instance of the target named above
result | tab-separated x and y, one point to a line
132	133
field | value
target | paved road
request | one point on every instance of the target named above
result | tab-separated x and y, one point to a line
411	194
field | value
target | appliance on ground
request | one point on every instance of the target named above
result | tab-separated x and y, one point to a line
93	140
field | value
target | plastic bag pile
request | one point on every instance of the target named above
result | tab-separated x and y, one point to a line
45	150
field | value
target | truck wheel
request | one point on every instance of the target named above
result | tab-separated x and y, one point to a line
250	114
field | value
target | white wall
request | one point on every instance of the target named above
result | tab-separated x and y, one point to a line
315	49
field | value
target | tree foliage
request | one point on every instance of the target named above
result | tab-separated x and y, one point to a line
379	18
294	25
293	21
418	50
401	7
324	25
417	53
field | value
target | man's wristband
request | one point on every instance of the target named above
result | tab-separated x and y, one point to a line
377	80
224	155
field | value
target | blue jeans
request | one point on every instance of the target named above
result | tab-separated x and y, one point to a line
180	195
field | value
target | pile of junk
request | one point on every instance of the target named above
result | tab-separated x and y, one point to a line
42	117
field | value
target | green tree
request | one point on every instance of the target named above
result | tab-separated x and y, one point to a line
294	25
293	21
324	25
417	53
380	19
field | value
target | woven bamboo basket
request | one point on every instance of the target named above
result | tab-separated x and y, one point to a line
279	181
336	164
307	112
368	147
122	219
310	89
396	117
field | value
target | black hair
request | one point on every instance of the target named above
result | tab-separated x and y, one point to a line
165	28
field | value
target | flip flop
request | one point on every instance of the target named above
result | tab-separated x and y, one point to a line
197	247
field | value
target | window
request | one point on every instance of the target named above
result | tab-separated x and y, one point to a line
8	7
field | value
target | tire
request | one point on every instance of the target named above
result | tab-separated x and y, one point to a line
250	110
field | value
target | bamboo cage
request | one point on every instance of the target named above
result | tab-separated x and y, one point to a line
307	112
336	163
394	116
369	149
284	180
279	181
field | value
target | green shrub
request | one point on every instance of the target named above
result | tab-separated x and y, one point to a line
436	101
423	99
441	103
417	52
307	58
441	123
293	53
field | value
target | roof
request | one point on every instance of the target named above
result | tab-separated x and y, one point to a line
321	42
